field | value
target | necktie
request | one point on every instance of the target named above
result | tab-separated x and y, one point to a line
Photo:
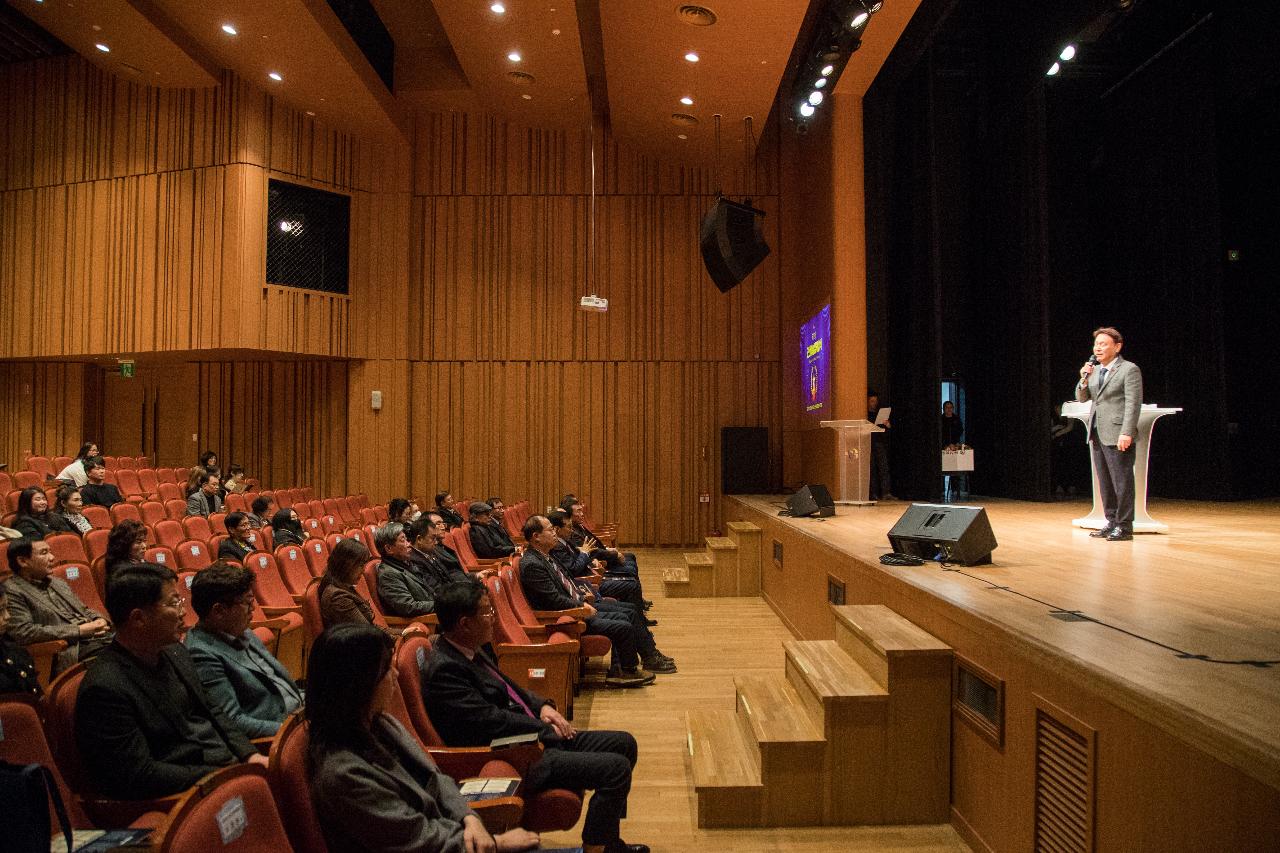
515	697
1102	377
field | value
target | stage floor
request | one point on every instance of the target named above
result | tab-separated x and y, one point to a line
1182	629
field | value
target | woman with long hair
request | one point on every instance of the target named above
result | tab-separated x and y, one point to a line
372	786
76	473
340	602
126	545
286	528
70	505
34	519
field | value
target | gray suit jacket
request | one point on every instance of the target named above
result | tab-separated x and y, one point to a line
198	503
32	618
406	807
241	691
401	592
1117	403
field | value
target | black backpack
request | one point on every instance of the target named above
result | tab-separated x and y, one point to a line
26	791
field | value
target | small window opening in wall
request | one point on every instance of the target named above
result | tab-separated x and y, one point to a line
777	553
835	590
978	699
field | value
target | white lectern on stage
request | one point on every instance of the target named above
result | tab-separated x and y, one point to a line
854	441
1142	521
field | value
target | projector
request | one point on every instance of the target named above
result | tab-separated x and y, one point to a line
593	303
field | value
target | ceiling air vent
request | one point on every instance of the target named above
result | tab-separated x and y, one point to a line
520	78
684	119
695	16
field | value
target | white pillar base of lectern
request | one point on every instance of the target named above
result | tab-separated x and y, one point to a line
1142	520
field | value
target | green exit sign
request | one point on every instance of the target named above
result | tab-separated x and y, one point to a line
126	369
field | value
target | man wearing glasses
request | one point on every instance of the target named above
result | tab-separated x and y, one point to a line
144	725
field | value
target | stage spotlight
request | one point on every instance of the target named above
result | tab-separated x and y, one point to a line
1068	53
1053	70
815	98
859	19
806	109
827	69
820	82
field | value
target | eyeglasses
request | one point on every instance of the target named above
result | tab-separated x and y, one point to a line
177	603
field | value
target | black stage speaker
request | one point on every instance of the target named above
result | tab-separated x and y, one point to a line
949	534
811	500
732	243
744	460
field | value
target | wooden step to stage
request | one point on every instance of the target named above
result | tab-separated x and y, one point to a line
746	536
724	765
724	561
676	581
791	750
695	579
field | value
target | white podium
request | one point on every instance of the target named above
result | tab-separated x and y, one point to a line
1142	520
854	442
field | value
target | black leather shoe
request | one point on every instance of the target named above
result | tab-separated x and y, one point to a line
1102	534
620	846
1119	534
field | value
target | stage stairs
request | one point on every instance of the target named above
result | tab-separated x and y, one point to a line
729	566
856	730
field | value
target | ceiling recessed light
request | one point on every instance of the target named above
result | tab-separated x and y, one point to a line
555	32
102	47
1068	53
691	56
815	97
687	101
858	20
230	30
682	136
498	9
827	70
97	28
806	109
310	113
275	75
514	56
527	97
1053	70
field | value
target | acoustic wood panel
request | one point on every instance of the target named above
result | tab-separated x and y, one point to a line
41	411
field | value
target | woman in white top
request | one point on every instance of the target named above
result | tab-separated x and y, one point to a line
75	473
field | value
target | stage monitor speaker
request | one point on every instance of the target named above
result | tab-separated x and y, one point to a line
744	460
949	534
732	242
811	500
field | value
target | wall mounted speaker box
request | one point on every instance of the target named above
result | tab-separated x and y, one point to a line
732	242
811	500
950	534
744	461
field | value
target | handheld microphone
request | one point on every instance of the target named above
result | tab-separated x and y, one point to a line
1093	359
1093	362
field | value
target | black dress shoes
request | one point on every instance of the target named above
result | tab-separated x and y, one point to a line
1119	534
1102	534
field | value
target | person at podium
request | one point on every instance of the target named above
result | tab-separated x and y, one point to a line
1114	384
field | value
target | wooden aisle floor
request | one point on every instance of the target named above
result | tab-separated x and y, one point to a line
712	640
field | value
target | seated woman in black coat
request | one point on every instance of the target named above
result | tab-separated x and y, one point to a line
373	787
126	545
286	528
17	670
35	520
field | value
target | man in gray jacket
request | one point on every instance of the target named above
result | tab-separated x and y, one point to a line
1115	387
252	689
42	606
401	591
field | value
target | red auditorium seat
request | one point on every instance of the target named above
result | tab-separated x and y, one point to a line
26	479
193	556
261	538
170	492
95	542
197	821
163	556
24	742
165	476
42	467
121	511
197	527
235	503
126	463
67	548
294	570
175	508
98	516
332	524
83	584
368	518
269	587
110	462
548	669
148	482
152	512
317	552
59	463
168	533
217	523
312	619
289	778
129	486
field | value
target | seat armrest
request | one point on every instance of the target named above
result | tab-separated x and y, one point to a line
280	611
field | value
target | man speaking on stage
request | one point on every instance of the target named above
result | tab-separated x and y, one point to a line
1115	387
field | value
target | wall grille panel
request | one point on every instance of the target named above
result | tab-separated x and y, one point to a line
1064	786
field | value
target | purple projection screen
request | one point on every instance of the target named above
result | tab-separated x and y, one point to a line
815	355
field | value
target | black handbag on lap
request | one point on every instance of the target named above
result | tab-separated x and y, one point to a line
26	791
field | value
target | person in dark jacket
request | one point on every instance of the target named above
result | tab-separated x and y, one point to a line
444	506
471	702
99	492
286	528
126	545
400	590
34	519
340	601
372	786
489	542
43	607
144	726
443	552
577	563
17	669
424	556
207	498
237	545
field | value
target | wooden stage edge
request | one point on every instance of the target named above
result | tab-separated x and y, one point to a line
1180	630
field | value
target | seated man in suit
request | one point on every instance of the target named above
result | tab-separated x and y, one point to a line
243	681
401	591
576	563
98	492
615	562
206	499
43	607
425	557
237	545
489	542
471	702
444	508
144	726
547	588
443	552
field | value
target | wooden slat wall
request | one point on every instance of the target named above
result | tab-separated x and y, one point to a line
285	421
41	410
